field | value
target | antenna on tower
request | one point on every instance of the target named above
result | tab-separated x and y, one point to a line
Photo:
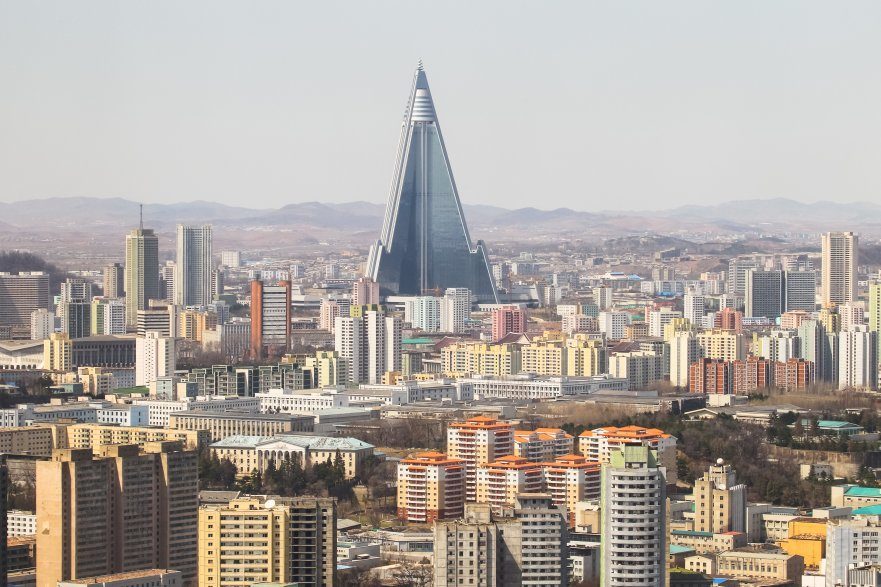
141	221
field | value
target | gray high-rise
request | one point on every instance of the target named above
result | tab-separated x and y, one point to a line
194	266
425	246
141	272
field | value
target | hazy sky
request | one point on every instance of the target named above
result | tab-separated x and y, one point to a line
590	105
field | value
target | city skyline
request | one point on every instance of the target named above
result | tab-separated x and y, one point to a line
736	108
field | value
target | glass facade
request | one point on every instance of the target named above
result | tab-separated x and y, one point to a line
425	246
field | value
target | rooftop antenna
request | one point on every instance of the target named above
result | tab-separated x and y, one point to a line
419	65
141	222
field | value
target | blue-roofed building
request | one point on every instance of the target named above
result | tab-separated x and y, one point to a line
855	496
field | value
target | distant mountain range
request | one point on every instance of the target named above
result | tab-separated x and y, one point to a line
104	215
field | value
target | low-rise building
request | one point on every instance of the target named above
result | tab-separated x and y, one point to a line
249	453
703	542
144	578
301	402
760	565
223	424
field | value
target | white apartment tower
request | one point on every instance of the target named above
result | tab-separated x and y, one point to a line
633	519
695	307
839	267
455	309
194	266
858	358
154	358
370	345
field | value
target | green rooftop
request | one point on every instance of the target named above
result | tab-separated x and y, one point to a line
417	341
869	510
863	492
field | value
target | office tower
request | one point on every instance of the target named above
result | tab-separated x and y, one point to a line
840	256
602	298
858	358
369	344
764	293
194	266
158	318
108	316
507	320
42	324
737	270
431	487
478	441
270	318
612	324
114	281
58	352
231	259
155	357
424	244
125	509
20	294
168	282
526	545
76	319
141	272
599	444
719	501
423	312
365	292
800	291
633	506
694	307
291	541
455	309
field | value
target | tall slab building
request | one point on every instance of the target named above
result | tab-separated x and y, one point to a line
425	246
194	267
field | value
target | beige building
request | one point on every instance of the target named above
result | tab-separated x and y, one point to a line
569	480
431	487
57	352
248	453
719	501
585	356
97	436
543	444
274	540
838	275
598	445
707	542
328	369
478	441
761	566
221	425
144	578
96	381
499	482
471	358
722	344
35	440
129	508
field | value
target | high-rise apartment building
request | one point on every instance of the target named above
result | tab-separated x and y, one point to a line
270	318
478	441
431	486
874	311
507	320
858	358
168	281
369	344
525	545
231	259
76	319
365	292
599	444
633	511
727	345
114	281
684	351
821	348
108	316
20	294
570	479
194	266
155	357
290	540
613	324
602	298
719	501
58	352
737	270
729	319
127	509
494	360
499	482
711	376
840	256
141	272
694	307
330	310
424	244
423	312
543	444
640	368
42	324
455	309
